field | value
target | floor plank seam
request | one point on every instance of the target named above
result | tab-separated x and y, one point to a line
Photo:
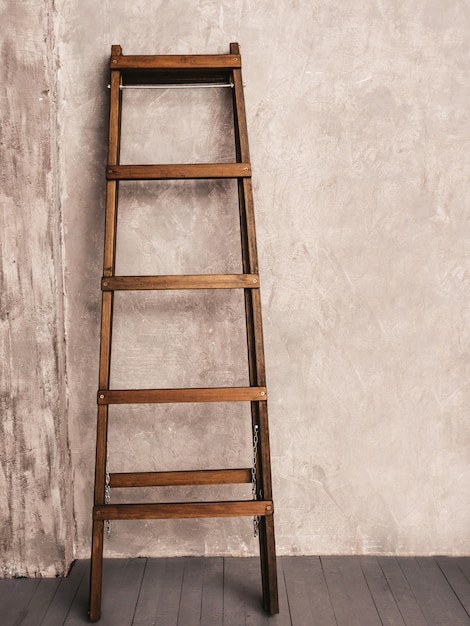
281	568
410	586
403	591
449	582
140	591
328	589
50	603
370	592
395	599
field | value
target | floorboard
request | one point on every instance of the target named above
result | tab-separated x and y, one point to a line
455	576
242	593
382	595
191	592
16	597
212	601
65	594
435	597
402	592
150	593
217	591
169	605
352	602
307	591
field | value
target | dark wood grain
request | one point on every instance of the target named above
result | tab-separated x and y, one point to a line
107	306
208	394
254	329
194	281
175	510
199	477
174	61
178	171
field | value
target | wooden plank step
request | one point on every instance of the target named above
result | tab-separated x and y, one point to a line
165	479
174	61
194	281
211	394
177	510
178	171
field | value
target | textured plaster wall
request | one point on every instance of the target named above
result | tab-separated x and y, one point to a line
359	133
36	523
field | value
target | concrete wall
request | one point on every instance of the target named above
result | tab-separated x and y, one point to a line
358	123
36	512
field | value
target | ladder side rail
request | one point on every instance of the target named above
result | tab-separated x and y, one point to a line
256	361
105	344
250	263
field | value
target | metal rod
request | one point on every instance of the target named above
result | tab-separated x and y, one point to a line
176	86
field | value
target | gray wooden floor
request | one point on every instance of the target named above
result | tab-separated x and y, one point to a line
314	591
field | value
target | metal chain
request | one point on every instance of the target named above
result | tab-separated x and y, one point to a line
107	498
254	490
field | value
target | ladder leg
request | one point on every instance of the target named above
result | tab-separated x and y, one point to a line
96	570
268	565
98	525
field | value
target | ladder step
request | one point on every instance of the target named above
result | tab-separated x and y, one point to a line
175	61
166	479
211	394
196	281
234	508
178	171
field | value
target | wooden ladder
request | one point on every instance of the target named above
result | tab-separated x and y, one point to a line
144	70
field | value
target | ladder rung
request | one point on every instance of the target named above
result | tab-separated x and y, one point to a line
211	394
166	479
207	281
235	508
176	171
175	61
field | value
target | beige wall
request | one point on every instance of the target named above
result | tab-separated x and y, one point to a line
359	133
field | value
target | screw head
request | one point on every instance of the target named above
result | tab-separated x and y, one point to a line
101	396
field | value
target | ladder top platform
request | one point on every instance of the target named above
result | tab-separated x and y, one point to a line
173	68
172	61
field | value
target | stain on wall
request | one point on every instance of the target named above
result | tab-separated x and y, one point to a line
35	489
